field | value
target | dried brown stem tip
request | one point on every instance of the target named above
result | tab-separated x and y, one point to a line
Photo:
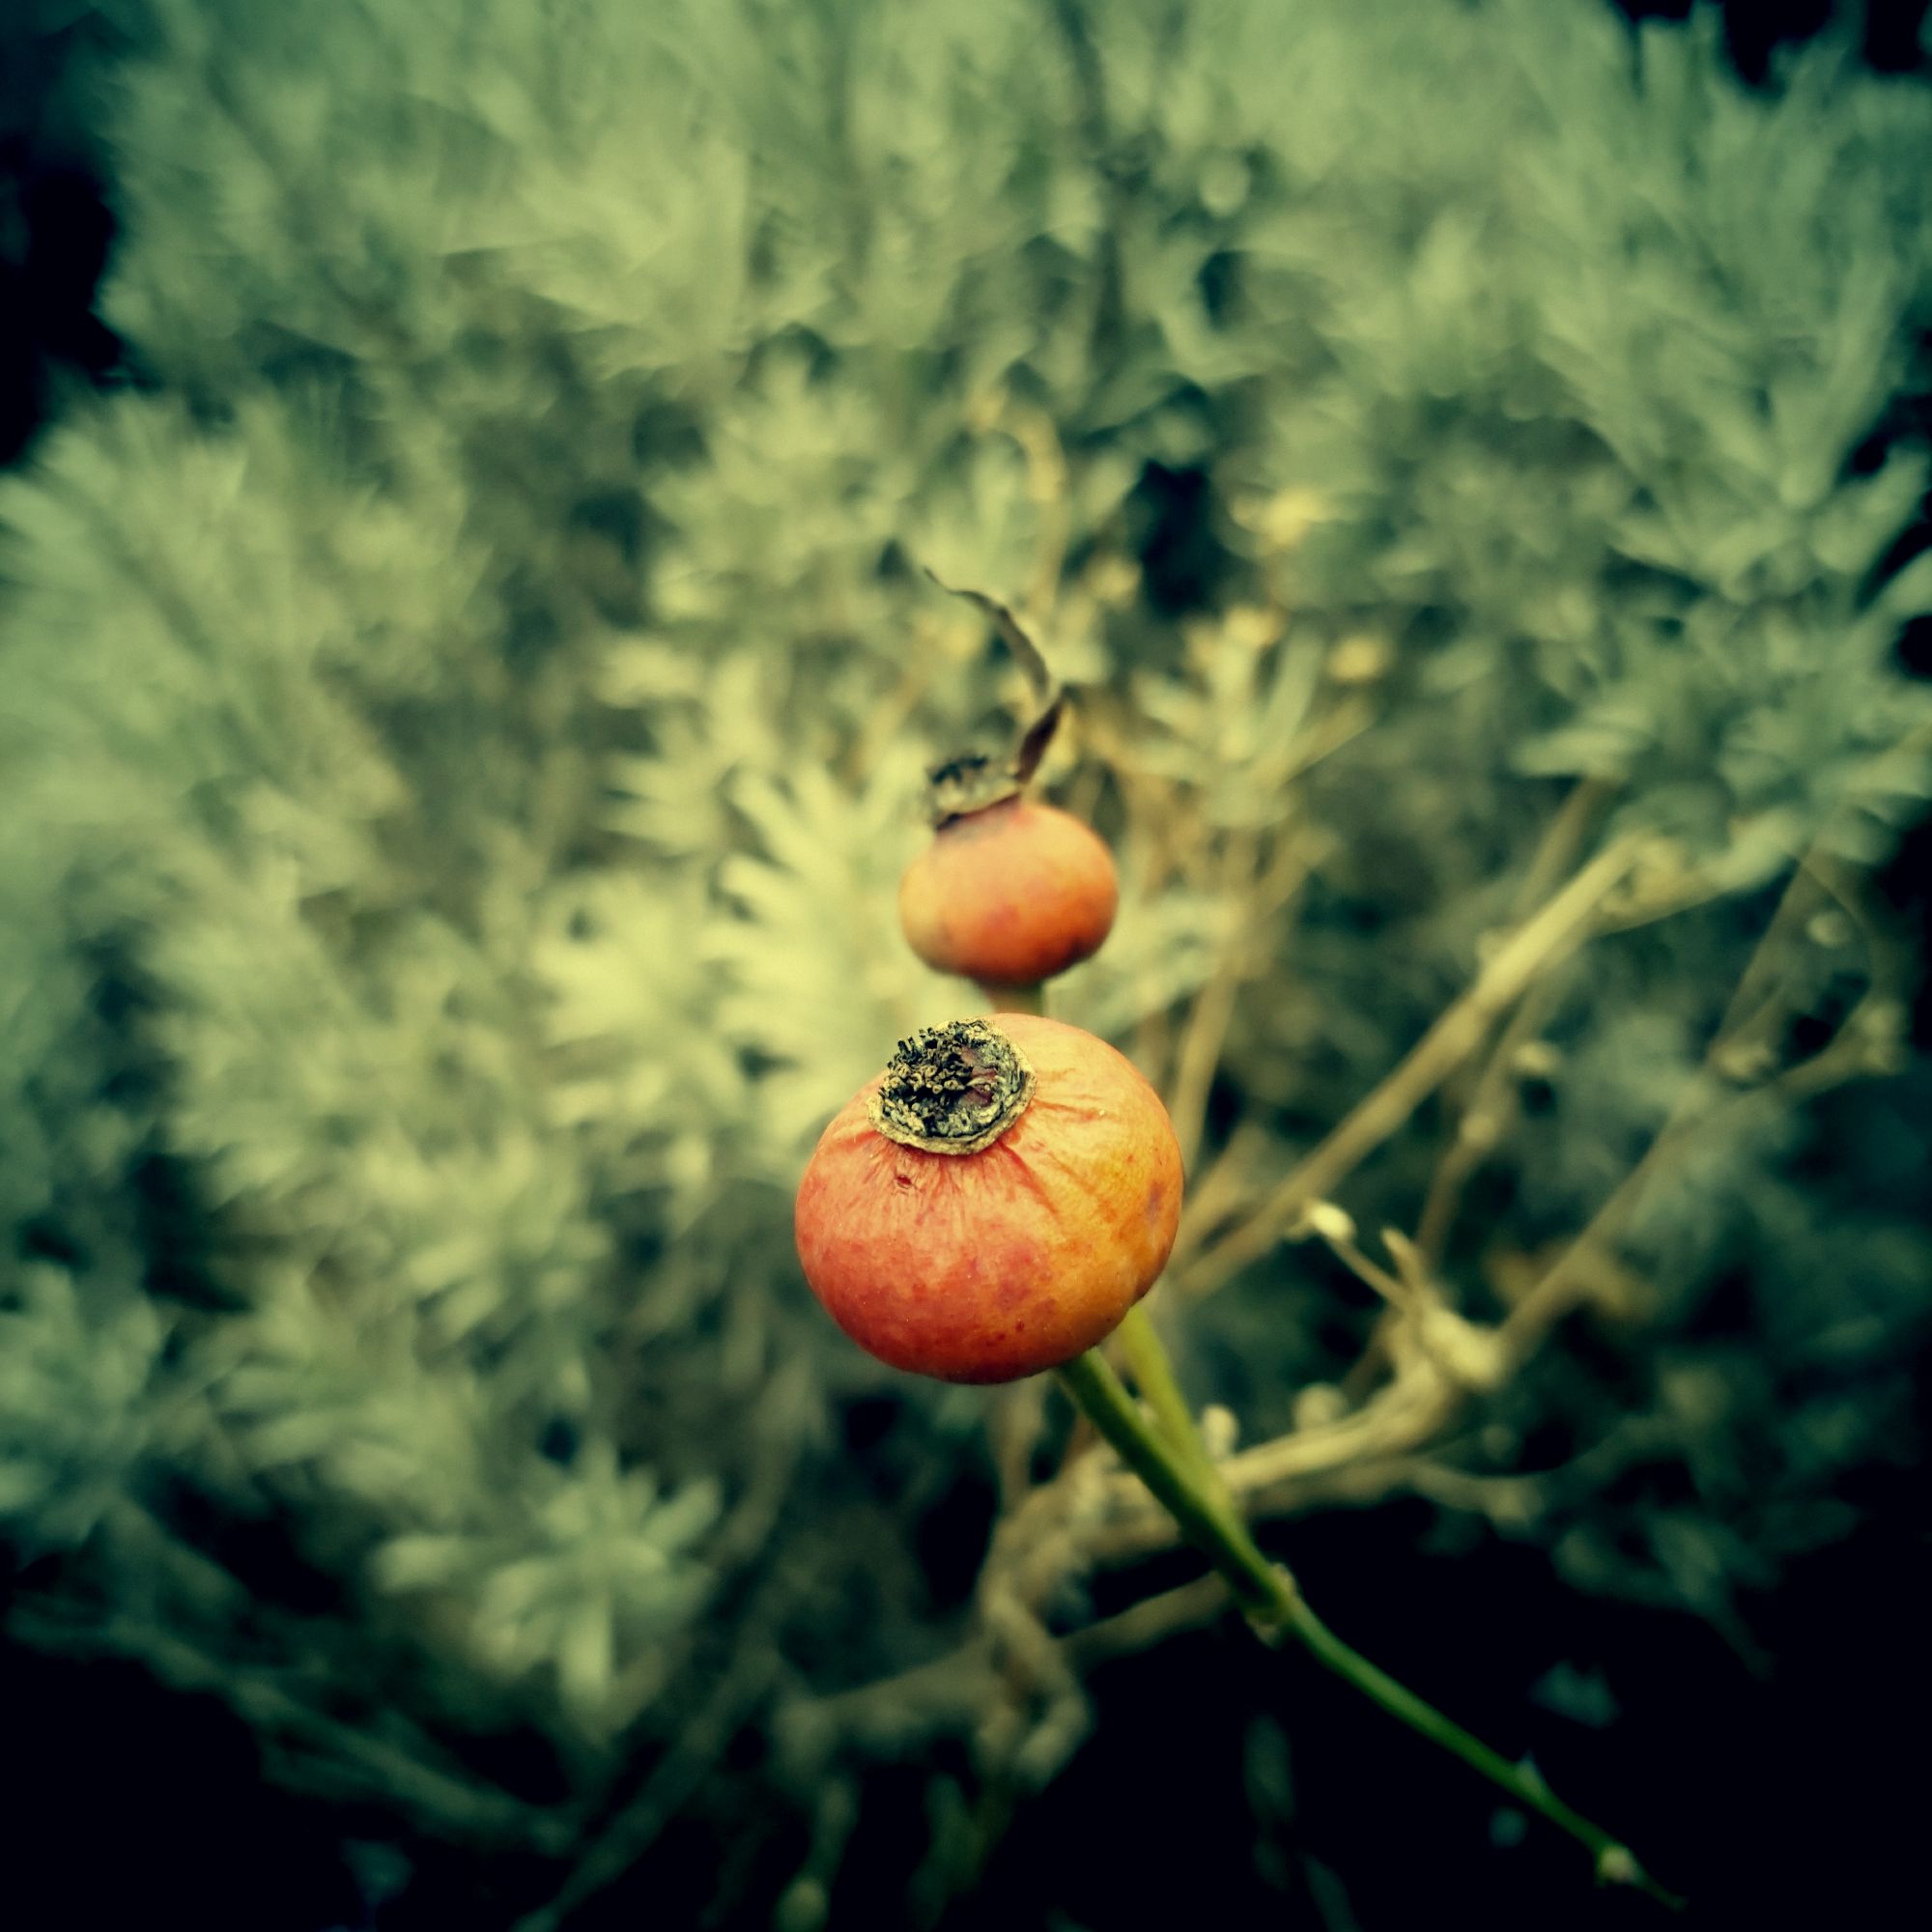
973	781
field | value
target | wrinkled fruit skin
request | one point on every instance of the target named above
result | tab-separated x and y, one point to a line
1009	895
987	1266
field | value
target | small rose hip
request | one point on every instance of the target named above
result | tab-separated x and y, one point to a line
1009	894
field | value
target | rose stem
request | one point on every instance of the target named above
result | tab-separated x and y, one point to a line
1273	1603
1016	999
1153	1371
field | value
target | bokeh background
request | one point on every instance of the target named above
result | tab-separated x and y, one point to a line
465	681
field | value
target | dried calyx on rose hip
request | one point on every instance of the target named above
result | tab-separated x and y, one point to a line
1010	891
994	1203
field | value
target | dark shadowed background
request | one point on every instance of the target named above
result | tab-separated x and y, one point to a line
1767	1768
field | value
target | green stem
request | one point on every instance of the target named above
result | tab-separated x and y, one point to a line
1207	1520
1153	1371
1273	1603
1016	999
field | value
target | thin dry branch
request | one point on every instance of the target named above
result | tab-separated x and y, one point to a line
1187	1606
1489	1115
1206	1031
1861	1048
1865	1043
1542	940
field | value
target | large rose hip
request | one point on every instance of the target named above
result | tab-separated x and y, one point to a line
1024	1248
1009	894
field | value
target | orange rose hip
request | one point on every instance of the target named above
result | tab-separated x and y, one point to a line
1009	894
993	1204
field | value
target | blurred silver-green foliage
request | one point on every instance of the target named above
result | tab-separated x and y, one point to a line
463	719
